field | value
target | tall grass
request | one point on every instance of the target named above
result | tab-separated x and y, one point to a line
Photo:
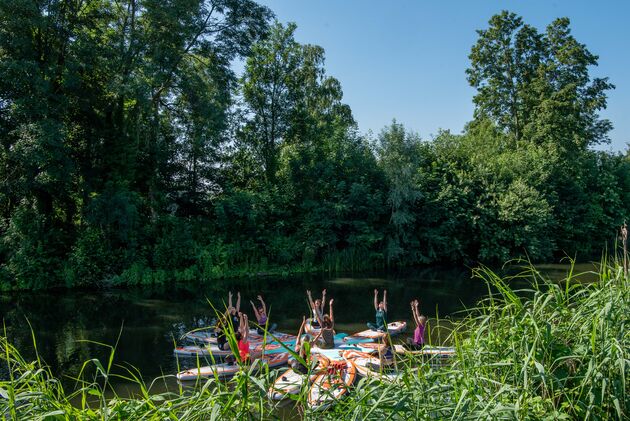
551	351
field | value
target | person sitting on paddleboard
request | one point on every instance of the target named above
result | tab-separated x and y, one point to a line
386	352
233	312
303	349
417	342
220	333
326	335
381	313
261	317
317	308
242	337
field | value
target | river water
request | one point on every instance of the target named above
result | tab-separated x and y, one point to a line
146	323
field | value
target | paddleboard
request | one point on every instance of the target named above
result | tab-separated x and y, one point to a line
393	328
256	349
226	371
291	382
206	337
369	365
332	385
441	351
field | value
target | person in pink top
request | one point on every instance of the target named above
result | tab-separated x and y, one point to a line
421	321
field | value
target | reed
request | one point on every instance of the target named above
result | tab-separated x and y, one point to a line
549	351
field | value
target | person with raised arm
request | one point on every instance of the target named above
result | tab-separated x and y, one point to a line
261	317
219	332
242	337
326	335
386	352
303	349
234	312
317	308
417	342
381	313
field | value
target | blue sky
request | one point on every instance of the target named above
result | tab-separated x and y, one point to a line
406	59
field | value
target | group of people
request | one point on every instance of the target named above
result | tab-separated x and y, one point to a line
238	322
319	328
323	334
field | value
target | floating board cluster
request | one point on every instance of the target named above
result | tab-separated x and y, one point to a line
332	371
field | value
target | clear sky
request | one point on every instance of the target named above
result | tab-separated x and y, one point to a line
405	59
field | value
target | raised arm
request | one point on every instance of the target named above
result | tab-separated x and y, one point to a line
418	313
238	302
330	311
310	299
319	334
385	301
263	304
414	311
255	310
298	341
323	301
244	325
230	299
376	299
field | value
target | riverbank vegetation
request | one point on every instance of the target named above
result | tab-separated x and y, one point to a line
132	153
557	350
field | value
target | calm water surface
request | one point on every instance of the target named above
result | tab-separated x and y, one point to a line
146	323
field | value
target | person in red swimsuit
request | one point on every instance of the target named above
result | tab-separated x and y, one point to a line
242	336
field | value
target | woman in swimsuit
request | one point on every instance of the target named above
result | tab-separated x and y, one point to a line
261	317
326	335
418	334
386	352
242	336
381	313
317	308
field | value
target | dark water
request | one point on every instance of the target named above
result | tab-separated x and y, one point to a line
145	323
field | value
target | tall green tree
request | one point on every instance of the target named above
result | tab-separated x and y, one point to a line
288	96
399	153
537	87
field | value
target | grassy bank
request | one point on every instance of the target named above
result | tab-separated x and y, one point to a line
554	351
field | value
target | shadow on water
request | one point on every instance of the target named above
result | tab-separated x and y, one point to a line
152	319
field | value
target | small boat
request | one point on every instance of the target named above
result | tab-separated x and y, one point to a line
331	385
227	370
369	365
393	328
290	382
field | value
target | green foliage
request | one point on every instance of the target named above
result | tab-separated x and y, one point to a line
132	154
90	259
